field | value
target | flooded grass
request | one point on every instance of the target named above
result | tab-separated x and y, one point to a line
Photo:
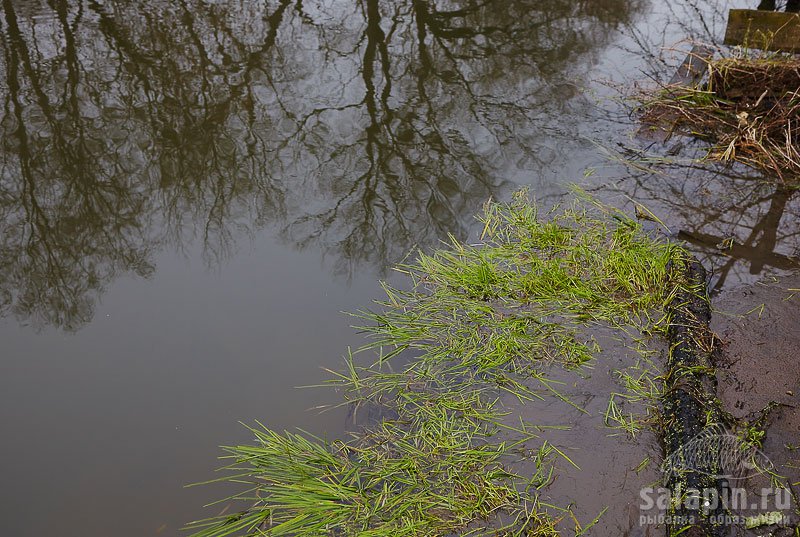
641	388
430	473
478	323
748	108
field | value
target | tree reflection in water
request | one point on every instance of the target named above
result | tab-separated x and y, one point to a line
358	127
741	224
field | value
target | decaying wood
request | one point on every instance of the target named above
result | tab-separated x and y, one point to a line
694	67
689	403
767	30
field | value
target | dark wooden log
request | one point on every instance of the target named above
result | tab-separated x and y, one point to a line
690	407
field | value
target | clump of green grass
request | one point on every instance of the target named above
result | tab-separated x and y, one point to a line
429	477
525	289
477	322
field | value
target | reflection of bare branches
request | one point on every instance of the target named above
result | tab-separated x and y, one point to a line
738	224
69	223
361	128
437	103
735	221
672	30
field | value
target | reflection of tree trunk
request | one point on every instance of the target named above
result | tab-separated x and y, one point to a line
420	8
376	44
376	48
768	229
759	246
75	155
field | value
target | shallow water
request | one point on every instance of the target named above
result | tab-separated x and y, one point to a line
192	192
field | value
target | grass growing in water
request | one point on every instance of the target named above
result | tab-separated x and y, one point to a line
479	322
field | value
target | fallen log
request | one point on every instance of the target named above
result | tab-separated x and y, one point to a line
691	410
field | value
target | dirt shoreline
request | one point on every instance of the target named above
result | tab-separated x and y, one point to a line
759	329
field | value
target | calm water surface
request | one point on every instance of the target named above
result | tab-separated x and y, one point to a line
191	193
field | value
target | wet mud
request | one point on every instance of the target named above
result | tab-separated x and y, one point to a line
758	369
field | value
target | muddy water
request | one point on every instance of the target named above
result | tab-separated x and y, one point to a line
191	192
607	466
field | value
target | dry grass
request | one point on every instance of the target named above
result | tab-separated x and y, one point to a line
748	108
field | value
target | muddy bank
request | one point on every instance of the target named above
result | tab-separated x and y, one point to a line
759	364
